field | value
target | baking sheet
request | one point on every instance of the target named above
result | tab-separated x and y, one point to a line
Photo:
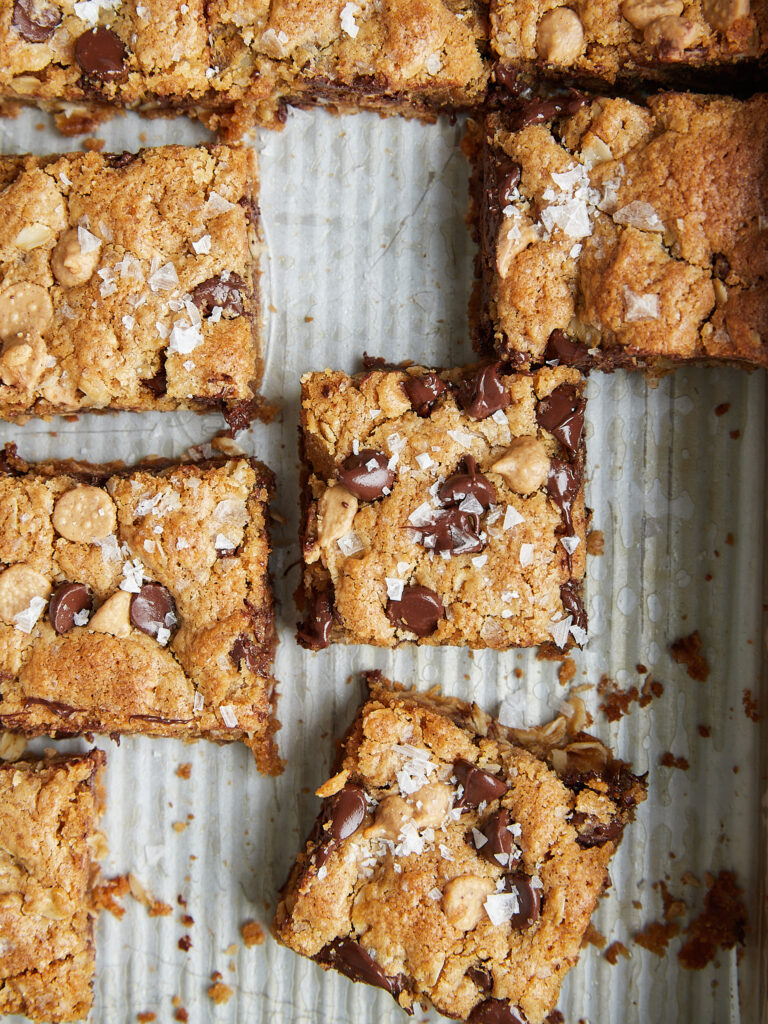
368	251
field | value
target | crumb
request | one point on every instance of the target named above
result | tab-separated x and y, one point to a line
181	1014
687	651
651	688
567	671
614	951
637	904
550	652
142	137
159	909
107	895
155	908
555	1018
187	920
146	1017
217	976
617	701
593	937
690	879
93	145
729	540
595	542
735	434
220	993
722	409
673	906
721	925
750	706
253	934
656	936
184	770
179	826
669	760
185	943
308	319
704	731
231	949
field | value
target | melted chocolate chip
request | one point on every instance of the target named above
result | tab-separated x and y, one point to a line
225	291
101	55
419	610
479	786
563	485
158	384
351	959
153	609
537	110
496	1011
252	210
570	595
461	485
454	531
501	843
562	414
562	349
483	393
424	391
528	898
367	474
593	832
347	811
314	633
123	159
35	21
62	710
481	977
66	601
245	649
505	77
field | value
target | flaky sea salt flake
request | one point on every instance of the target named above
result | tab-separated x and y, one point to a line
348	23
228	715
25	620
512	518
560	630
501	906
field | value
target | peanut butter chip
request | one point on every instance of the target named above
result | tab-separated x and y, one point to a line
721	14
640	13
671	36
69	263
463	900
19	584
23	360
84	515
559	36
335	510
25	308
524	465
114	615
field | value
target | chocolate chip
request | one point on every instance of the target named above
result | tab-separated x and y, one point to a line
461	485
501	843
101	55
537	110
454	531
367	474
347	810
118	160
66	601
351	959
252	210
562	349
158	384
35	20
225	291
563	485
481	977
419	610
505	77
245	649
496	1011
528	898
483	393
562	414
479	786
153	609
570	595
424	391
314	633
593	832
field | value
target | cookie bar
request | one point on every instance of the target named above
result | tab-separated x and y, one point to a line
443	507
129	282
455	860
619	235
49	846
604	41
138	601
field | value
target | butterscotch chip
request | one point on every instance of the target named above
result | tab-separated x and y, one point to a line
560	36
71	263
20	585
524	465
85	515
640	13
335	513
25	308
114	616
672	35
464	901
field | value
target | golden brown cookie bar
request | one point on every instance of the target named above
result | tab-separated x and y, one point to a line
456	860
443	507
49	846
675	41
130	282
138	601
614	234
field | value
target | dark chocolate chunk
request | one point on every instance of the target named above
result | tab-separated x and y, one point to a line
501	843
481	977
528	898
367	475
461	485
483	393
347	809
35	20
496	1011
563	485
570	595
314	632
536	110
66	601
158	384
247	650
479	786
101	55
225	291
562	414
593	832
351	959
424	391
419	610
562	349
454	531
153	609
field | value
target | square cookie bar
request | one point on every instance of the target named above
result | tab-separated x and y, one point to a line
130	282
443	507
620	235
455	860
602	41
138	601
49	845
